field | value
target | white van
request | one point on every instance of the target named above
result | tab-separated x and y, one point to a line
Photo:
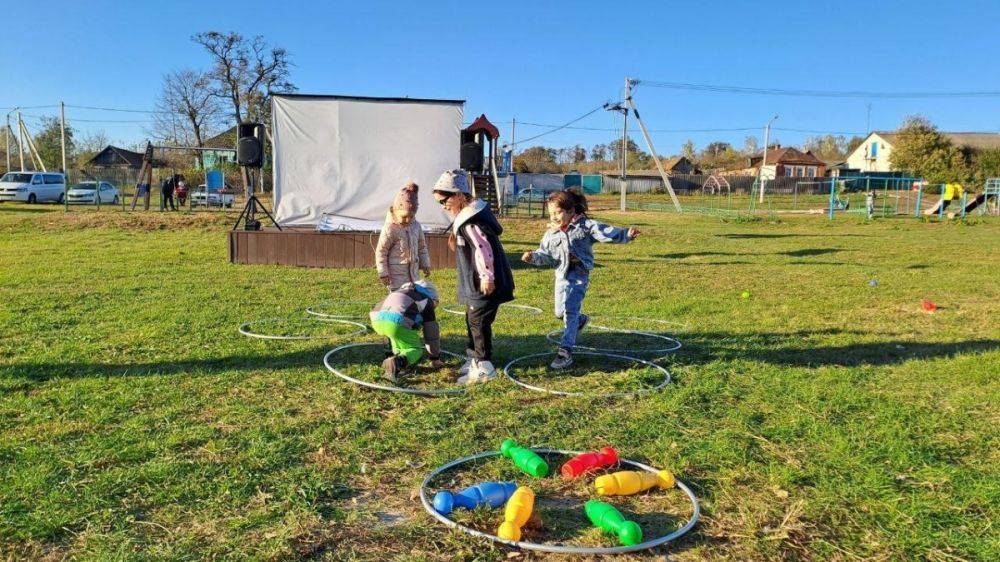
33	187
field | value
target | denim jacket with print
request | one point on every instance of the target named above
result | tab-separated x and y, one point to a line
574	247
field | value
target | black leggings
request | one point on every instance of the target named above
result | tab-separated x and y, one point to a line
479	327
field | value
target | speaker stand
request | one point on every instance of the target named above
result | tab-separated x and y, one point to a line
249	213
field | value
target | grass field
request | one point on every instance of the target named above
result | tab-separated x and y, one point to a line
820	418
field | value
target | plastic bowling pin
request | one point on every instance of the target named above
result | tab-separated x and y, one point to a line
628	482
587	462
605	517
525	459
516	514
493	494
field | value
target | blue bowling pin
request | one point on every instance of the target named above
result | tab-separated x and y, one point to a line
493	494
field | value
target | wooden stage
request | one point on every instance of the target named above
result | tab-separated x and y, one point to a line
308	248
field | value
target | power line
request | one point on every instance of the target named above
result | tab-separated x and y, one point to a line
814	93
122	110
710	130
563	126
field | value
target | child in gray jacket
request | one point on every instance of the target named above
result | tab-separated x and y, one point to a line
568	246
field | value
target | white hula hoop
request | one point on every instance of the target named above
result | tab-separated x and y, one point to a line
312	309
675	343
376	386
679	327
245	329
666	376
559	548
534	310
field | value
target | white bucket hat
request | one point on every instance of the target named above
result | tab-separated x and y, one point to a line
453	181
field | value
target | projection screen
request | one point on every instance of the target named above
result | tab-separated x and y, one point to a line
348	156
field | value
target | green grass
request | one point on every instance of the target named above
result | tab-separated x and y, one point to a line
821	418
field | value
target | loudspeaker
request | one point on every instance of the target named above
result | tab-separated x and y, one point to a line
250	145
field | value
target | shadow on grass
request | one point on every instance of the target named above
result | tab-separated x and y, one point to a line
756	236
788	349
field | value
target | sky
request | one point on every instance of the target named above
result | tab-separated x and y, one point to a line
543	63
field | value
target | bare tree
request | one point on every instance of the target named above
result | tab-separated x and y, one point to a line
245	71
187	108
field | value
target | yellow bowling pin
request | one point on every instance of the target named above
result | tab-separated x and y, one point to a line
627	482
516	514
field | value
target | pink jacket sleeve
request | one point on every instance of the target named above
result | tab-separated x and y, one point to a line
483	252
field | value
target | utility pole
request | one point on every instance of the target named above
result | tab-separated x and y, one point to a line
20	143
513	147
6	135
763	162
62	127
868	121
624	174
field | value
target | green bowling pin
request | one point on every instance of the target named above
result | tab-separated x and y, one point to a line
525	459
605	517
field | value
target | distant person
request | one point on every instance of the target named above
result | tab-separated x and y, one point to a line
870	203
568	246
485	280
167	191
182	193
401	254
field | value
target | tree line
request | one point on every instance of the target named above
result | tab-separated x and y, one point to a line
713	157
193	104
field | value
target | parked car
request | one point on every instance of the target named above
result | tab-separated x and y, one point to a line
84	193
33	187
534	195
214	198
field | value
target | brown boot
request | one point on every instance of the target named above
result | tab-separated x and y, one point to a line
392	367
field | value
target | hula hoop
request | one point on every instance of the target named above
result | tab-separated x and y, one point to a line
312	309
376	386
552	337
680	326
666	376
245	330
559	548
532	309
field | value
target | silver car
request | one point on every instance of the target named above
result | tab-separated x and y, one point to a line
84	193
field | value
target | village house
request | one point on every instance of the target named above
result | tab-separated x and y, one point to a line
872	155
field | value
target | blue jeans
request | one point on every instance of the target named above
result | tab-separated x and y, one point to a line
569	299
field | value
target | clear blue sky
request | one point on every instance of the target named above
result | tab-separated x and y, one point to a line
535	61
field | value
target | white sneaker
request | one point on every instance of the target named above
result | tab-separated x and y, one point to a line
464	369
478	373
488	368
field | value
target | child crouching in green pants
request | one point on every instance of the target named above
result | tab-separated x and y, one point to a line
400	317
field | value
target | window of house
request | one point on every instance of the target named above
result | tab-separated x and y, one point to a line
812	171
874	150
789	171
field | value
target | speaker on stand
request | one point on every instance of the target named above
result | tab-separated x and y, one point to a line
250	156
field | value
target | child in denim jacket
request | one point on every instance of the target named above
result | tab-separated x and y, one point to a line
568	246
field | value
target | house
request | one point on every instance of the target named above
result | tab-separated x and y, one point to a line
785	162
114	157
872	155
680	165
225	153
